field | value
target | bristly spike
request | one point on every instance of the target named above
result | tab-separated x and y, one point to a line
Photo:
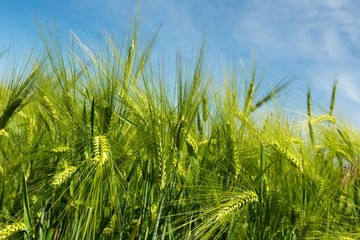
205	109
333	98
309	103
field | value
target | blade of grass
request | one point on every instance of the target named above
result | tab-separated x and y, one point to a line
26	206
309	114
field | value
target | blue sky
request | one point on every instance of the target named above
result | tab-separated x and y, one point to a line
311	40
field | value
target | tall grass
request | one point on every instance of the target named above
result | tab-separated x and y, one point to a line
94	146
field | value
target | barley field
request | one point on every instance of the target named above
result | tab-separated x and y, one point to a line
94	144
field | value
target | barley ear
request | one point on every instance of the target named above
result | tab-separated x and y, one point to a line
3	133
309	104
323	118
191	146
236	203
9	111
181	134
49	107
92	117
249	96
333	98
129	61
205	109
232	150
8	230
109	229
143	59
199	124
19	97
274	92
62	149
63	176
288	155
101	150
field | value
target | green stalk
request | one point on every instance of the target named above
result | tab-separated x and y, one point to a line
309	114
26	206
262	172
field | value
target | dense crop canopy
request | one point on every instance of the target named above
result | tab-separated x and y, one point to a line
94	146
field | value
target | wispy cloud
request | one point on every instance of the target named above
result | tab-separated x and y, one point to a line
314	40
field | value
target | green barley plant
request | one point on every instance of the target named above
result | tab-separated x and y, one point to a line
94	144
